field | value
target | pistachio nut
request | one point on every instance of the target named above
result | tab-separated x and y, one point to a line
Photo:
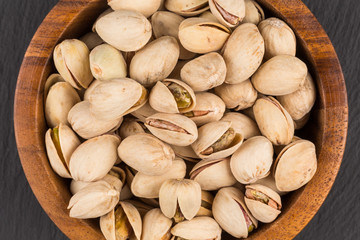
206	204
85	164
199	228
147	8
125	30
205	72
156	226
229	12
60	99
216	140
141	207
180	198
175	74
263	203
91	39
106	12
107	104
50	81
199	35
269	182
249	112
213	174
155	61
130	127
253	12
172	128
278	36
299	124
144	112
208	108
186	153
92	86
94	200
76	186
172	96
71	58
242	124
123	222
295	165
279	148
146	186
209	16
231	213
243	53
60	143
238	96
187	8
146	154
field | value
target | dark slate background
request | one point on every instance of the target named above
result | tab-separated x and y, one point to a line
21	216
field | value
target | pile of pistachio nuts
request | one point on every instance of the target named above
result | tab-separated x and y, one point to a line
175	119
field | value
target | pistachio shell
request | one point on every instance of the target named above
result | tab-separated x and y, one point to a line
145	111
130	127
156	226
299	124
249	112
146	154
186	153
175	74
76	186
209	16
206	204
71	58
200	35
91	88
205	72
155	61
229	12
242	124
147	8
106	12
281	75
187	8
200	228
61	98
141	207
91	39
50	81
269	182
243	53
253	12
125	30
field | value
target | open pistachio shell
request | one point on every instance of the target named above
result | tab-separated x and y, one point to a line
50	81
187	8
125	30
60	143
242	124
229	12
155	61
206	204
156	226
199	35
295	165
186	153
269	182
200	228
253	12
147	8
92	40
130	127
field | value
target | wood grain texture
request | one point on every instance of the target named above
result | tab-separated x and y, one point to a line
67	20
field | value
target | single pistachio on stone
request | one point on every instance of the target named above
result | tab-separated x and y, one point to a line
242	124
199	35
71	58
155	61
205	72
130	127
144	112
253	12
208	15
269	182
156	226
229	12
243	53
94	200
60	143
231	213
141	207
274	121
146	154
60	99
50	81
123	222
278	36
186	153
125	30
175	74
199	228
147	8
92	40
299	124
187	8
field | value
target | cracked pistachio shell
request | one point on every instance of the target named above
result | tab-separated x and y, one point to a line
205	72
187	8
208	108
144	112
71	58
229	12
60	145
213	174
238	96
186	153
167	24
253	12
261	211
94	200
300	102
199	35
281	75
274	121
146	154
243	53
227	211
155	61
91	39
146	186
253	160
242	124
156	226
182	193
278	36
130	127
50	81
208	15
108	222
147	8
115	98
125	30
161	99
269	182
172	128
209	134
295	165
60	99
94	158
86	125
200	228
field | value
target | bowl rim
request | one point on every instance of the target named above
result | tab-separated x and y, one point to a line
28	116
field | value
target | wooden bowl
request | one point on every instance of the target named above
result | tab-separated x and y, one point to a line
327	127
